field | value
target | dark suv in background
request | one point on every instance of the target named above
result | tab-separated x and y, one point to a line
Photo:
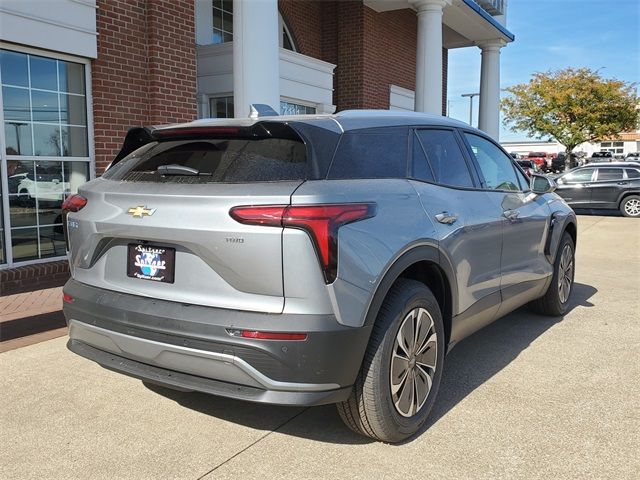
307	260
612	186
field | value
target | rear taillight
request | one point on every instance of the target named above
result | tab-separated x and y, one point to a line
74	203
321	222
66	298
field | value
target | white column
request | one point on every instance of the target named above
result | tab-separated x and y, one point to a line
489	115
256	61
429	56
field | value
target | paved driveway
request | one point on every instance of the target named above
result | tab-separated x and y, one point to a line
527	397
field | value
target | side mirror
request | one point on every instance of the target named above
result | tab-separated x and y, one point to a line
541	184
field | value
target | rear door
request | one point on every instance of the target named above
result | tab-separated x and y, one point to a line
157	224
607	186
525	218
575	187
469	225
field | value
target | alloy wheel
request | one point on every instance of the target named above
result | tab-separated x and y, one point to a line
413	362
632	207
565	273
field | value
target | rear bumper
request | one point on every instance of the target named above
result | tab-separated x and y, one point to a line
188	347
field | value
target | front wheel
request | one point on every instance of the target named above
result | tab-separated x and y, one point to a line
400	375
556	300
630	206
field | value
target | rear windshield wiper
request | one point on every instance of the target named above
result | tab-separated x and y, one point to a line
174	169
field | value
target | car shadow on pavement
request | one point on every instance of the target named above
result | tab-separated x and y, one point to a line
471	363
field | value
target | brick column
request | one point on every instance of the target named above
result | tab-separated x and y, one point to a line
145	73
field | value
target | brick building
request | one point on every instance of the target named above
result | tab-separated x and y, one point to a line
77	74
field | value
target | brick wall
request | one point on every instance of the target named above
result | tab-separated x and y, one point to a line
372	50
33	277
145	72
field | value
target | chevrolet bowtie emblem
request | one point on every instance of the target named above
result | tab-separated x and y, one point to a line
141	211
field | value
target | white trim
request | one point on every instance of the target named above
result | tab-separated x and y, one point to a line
86	3
307	61
37	18
4	177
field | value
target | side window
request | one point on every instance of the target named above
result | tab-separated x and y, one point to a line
579	176
632	173
497	168
445	157
420	168
524	181
609	174
372	153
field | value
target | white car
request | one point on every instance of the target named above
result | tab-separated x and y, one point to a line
47	188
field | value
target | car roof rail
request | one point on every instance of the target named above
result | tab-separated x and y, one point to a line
261	110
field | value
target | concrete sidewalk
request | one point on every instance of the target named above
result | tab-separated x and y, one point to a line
527	397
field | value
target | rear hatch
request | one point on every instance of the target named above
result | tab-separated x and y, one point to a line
157	224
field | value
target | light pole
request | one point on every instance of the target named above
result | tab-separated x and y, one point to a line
470	95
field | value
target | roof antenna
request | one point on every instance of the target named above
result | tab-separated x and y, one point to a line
261	110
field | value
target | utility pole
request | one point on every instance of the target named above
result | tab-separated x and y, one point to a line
470	95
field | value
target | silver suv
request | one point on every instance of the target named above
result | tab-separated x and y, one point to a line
309	260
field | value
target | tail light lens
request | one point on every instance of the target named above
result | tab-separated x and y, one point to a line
74	203
321	222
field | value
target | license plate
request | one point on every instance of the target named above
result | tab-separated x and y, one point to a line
151	262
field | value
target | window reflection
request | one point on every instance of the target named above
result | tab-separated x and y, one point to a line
46	140
18	138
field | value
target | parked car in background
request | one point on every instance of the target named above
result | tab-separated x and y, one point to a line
603	185
529	167
600	157
307	260
632	157
558	163
540	159
515	155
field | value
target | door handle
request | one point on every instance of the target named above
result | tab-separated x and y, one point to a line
511	214
446	218
623	183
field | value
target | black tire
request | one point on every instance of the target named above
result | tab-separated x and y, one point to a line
630	206
370	410
552	303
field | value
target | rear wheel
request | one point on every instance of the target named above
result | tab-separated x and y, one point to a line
555	301
630	206
400	375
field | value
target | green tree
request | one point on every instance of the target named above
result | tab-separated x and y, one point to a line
573	106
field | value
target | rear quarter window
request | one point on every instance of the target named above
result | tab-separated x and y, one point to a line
371	153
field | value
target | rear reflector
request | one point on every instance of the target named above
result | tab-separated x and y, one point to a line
321	222
74	203
66	298
267	335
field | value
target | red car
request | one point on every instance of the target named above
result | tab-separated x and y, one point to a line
539	158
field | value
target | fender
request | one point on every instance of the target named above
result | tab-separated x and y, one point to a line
626	193
414	252
559	223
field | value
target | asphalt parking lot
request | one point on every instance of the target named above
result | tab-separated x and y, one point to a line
527	397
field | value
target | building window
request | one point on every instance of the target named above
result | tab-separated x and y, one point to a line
221	107
222	21
289	108
46	153
223	25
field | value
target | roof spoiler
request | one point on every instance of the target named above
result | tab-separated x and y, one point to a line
135	138
261	110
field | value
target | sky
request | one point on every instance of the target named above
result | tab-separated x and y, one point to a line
550	35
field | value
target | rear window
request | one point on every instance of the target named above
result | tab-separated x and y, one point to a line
605	174
371	153
220	160
632	173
